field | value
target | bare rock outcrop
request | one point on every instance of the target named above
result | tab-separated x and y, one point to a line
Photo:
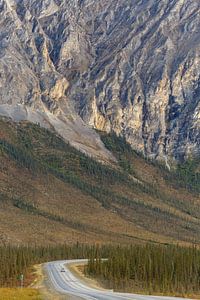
128	66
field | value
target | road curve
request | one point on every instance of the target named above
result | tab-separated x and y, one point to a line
67	283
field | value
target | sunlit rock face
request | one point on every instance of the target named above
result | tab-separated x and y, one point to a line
132	67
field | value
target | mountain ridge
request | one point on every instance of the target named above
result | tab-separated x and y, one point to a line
131	67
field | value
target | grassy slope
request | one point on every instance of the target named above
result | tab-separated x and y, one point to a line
50	192
19	294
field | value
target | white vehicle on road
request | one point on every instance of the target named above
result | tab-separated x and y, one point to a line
66	283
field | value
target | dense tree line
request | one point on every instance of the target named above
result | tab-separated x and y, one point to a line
137	268
150	268
187	174
16	260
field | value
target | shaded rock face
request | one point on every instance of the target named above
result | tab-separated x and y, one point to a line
131	66
31	87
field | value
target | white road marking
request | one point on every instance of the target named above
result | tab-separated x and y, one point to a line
67	283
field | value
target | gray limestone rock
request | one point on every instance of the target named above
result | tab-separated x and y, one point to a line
129	66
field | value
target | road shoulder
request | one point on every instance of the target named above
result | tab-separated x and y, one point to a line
43	284
77	270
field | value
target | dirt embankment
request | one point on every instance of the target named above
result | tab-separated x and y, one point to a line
78	271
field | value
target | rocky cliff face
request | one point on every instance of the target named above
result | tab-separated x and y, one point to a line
132	66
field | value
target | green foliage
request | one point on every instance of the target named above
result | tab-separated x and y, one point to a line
20	155
16	260
116	144
152	268
187	174
120	187
59	155
121	149
32	209
137	268
156	269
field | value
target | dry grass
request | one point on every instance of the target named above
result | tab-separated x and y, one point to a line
19	294
78	271
158	221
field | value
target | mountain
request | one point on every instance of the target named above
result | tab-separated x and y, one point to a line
52	193
128	66
93	95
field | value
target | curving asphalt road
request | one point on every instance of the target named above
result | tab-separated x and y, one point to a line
66	283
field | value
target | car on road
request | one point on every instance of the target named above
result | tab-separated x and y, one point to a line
62	270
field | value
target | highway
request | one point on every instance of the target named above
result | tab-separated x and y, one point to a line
66	283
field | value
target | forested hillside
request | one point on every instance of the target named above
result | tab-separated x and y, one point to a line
51	192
